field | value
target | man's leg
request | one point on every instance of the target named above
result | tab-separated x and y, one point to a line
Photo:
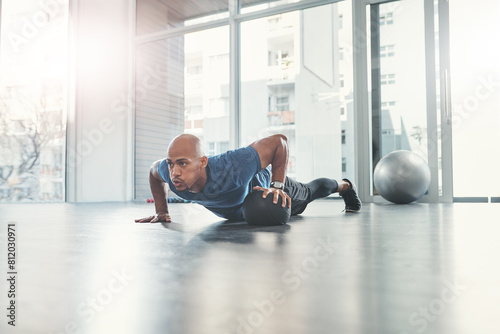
323	187
302	194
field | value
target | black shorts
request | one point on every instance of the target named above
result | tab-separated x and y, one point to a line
300	193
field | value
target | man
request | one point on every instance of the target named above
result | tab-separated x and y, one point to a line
221	183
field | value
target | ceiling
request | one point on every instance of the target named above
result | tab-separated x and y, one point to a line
190	9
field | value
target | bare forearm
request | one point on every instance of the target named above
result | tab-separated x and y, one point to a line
279	161
273	150
159	193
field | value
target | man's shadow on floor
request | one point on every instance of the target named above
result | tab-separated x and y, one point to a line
239	232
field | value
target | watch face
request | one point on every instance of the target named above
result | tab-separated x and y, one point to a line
277	184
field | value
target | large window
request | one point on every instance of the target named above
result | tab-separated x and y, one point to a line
33	100
294	82
398	83
208	90
475	100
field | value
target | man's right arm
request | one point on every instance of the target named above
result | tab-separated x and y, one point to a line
159	190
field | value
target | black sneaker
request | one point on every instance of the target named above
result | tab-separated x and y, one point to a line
351	199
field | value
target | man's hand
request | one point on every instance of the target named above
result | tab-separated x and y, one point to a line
159	217
277	193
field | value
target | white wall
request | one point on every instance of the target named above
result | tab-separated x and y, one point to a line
99	124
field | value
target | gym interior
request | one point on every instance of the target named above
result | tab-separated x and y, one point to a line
92	92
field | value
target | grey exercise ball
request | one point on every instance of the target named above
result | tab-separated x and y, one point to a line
402	177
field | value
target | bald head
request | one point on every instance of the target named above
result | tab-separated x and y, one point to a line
188	145
186	163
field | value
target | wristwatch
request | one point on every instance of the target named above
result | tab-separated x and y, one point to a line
278	185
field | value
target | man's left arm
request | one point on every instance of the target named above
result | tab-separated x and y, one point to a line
273	150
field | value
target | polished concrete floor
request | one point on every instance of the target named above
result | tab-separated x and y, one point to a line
88	268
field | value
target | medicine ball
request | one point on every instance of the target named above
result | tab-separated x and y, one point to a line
262	211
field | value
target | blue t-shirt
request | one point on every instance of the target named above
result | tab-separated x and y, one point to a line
230	177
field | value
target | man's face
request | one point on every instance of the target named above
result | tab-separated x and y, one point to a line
184	166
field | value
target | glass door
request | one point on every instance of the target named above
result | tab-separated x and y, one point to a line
398	77
400	65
